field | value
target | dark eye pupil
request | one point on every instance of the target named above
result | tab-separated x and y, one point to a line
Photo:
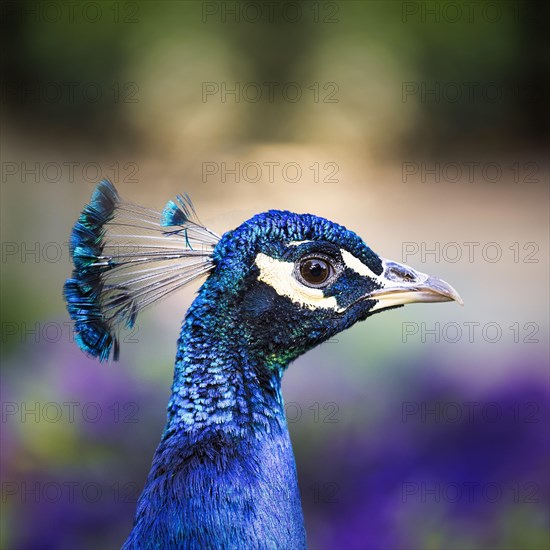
315	270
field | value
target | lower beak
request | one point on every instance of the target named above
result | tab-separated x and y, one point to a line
403	285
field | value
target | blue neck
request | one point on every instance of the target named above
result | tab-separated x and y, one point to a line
224	473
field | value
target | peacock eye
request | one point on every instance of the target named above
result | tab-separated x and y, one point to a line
315	271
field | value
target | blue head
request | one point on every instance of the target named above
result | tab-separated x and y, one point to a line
291	281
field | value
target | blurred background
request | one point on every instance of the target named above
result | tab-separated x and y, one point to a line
422	126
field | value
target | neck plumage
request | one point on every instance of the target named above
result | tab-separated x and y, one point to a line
224	473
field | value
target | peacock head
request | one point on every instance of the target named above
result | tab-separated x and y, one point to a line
290	281
296	280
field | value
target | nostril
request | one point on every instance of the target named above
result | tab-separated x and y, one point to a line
407	276
401	273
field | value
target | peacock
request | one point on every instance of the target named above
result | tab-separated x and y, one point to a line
224	474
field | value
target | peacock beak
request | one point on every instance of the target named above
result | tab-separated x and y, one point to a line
404	285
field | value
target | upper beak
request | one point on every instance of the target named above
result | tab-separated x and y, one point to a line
404	285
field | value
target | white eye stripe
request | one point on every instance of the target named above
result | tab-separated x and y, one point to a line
358	266
279	276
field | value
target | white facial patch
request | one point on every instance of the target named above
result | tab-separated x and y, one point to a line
279	276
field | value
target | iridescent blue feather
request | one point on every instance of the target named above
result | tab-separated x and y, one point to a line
83	290
179	214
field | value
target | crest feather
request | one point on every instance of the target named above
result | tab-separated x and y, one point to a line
127	257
